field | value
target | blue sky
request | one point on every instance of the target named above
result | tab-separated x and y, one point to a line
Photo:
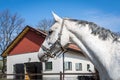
105	13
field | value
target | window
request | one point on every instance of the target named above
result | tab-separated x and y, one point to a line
48	65
78	66
88	67
68	66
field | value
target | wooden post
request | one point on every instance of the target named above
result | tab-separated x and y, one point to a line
60	75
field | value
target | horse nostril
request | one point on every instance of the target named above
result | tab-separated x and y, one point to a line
49	43
44	58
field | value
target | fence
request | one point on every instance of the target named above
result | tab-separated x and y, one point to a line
61	76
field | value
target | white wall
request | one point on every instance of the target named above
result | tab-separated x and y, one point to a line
57	62
21	58
78	58
73	57
56	65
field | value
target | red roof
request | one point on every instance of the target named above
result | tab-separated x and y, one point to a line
73	46
29	40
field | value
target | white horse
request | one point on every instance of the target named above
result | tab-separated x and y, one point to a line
100	45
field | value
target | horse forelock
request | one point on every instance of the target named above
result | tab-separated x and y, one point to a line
102	33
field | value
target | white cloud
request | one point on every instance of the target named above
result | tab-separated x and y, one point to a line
107	20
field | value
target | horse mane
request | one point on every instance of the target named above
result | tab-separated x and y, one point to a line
102	33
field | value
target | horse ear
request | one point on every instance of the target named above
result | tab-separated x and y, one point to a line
56	17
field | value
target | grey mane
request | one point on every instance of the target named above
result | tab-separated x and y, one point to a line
103	33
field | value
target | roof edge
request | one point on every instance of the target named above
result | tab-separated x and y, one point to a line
15	41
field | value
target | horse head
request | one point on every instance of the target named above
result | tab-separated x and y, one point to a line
55	41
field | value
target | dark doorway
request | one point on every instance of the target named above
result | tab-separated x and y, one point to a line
19	69
34	68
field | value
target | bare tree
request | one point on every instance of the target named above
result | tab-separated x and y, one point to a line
10	26
44	24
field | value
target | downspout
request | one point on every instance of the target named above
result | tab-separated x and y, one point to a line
64	64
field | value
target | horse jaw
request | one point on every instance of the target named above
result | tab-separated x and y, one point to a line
56	17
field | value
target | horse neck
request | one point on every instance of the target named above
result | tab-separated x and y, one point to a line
98	51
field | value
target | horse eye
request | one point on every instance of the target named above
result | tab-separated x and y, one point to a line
50	32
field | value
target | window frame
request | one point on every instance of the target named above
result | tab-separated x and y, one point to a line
79	65
47	64
68	65
88	67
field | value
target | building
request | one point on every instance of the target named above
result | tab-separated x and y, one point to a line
22	53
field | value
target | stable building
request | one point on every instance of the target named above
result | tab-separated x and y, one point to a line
22	58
